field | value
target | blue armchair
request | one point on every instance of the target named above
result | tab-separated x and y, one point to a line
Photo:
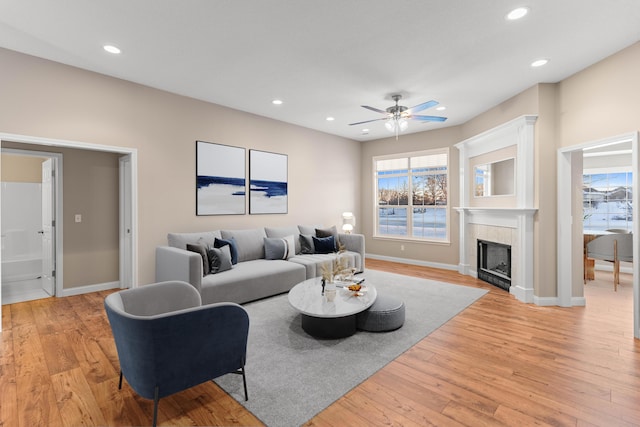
168	342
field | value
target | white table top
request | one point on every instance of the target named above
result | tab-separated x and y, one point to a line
307	298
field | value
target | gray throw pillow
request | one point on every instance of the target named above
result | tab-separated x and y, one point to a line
279	247
219	259
218	243
326	232
306	244
202	250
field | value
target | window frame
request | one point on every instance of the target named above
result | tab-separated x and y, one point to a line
410	206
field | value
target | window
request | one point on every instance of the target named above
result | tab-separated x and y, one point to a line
606	199
412	195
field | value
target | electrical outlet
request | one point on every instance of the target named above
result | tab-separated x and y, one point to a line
402	247
78	218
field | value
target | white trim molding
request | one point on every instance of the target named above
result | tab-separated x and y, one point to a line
421	263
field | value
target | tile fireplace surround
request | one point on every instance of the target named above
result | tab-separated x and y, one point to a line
502	220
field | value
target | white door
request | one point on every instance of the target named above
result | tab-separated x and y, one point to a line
126	223
48	240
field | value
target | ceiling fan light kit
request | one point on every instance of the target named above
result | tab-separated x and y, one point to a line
397	116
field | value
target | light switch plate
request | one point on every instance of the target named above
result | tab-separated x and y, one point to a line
78	218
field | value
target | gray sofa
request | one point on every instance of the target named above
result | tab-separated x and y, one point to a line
253	277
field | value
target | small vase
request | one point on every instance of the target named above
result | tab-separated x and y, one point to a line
330	291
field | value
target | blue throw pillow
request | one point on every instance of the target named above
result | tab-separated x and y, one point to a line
324	245
218	243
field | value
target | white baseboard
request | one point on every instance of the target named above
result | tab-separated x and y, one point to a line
90	288
609	267
413	262
541	301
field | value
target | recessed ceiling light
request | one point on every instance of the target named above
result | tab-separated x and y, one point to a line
365	131
330	119
277	102
441	108
517	13
111	49
539	62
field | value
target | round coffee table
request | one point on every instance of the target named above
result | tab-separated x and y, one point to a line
324	319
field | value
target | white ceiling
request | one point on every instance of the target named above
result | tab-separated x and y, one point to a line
329	57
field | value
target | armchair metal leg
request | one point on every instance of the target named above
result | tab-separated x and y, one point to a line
120	383
155	406
244	382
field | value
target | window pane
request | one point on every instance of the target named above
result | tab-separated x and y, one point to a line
392	221
393	191
607	201
429	223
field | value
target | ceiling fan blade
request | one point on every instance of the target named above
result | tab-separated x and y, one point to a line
366	121
423	106
377	110
429	118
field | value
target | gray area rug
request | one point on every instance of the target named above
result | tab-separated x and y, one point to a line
292	376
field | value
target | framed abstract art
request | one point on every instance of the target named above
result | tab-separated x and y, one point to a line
268	182
220	179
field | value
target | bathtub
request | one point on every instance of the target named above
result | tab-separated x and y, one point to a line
21	268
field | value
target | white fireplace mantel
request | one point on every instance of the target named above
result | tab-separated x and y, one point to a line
520	221
517	220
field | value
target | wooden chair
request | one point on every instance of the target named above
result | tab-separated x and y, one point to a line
612	248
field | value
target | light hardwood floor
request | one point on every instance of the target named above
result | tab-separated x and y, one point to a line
499	362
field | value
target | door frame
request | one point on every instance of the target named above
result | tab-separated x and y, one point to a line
57	210
567	233
130	273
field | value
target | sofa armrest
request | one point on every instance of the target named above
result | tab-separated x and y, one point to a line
353	243
178	264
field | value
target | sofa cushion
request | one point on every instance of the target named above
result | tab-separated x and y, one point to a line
219	259
233	248
284	232
180	240
251	280
250	243
202	250
324	245
279	247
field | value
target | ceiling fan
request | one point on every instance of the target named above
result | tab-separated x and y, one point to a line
397	116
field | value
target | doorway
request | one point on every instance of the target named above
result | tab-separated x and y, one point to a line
128	222
30	187
570	233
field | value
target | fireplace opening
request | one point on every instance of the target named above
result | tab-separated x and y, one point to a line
494	263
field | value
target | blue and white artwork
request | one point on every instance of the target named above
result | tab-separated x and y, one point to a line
220	179
268	180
